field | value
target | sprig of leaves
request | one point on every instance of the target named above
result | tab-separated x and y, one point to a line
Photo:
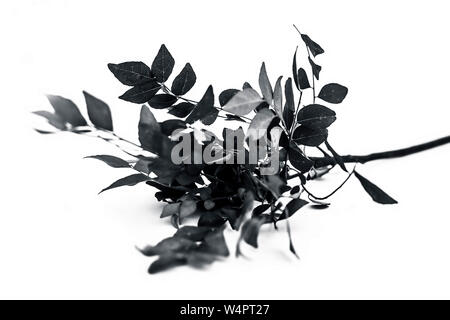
218	194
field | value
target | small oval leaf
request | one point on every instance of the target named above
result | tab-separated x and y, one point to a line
182	109
333	93
316	116
162	101
184	81
131	73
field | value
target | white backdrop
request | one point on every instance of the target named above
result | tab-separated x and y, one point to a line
58	239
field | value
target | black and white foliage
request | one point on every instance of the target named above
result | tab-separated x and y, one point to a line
218	194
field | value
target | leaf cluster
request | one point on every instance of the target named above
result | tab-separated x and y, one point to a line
217	194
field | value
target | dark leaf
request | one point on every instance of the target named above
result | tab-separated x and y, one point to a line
295	190
294	69
260	209
211	219
243	102
150	135
226	95
141	93
250	230
313	46
131	73
375	192
291	244
98	112
132	180
170	209
67	111
333	93
298	160
204	108
163	64
184	81
182	109
303	81
111	161
289	107
310	137
316	116
336	157
166	262
292	207
52	118
169	126
210	118
264	84
162	101
315	68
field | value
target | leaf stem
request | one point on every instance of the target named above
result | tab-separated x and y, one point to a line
312	71
325	161
166	89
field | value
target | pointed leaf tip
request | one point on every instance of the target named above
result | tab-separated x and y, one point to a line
374	191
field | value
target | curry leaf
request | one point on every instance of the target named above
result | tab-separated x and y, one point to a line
310	137
243	102
333	93
182	109
375	192
313	46
316	116
264	84
289	107
141	93
204	109
131	73
162	101
111	161
67	110
132	180
303	81
226	95
184	81
99	112
278	97
162	65
315	68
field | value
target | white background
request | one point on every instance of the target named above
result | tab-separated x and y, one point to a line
58	239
